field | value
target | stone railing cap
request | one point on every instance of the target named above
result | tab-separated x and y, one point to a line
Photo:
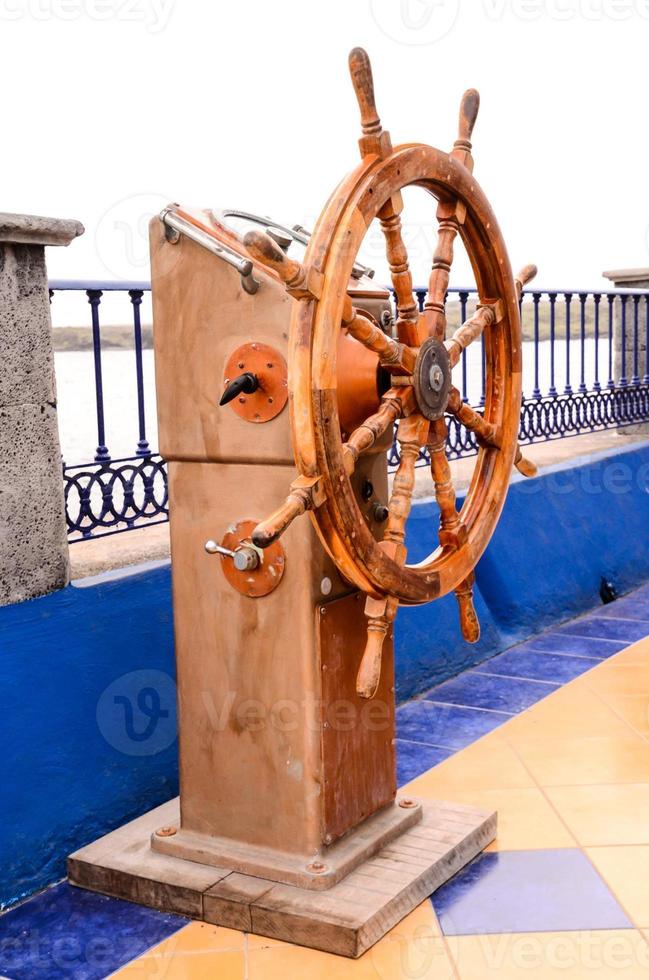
32	229
627	275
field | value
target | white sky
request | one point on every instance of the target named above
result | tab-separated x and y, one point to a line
111	108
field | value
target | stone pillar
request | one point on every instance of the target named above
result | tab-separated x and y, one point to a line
629	279
33	539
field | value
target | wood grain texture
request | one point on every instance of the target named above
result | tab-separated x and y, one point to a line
346	919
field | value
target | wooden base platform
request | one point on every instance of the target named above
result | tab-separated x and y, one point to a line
346	919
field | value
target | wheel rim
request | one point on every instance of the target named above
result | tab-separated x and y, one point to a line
315	327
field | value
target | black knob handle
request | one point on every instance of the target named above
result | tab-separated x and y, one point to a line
380	513
247	383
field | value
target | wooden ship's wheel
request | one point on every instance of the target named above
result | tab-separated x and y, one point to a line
420	360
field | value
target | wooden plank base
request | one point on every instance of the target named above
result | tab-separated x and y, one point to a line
347	919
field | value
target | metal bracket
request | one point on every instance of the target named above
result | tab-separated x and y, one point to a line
175	226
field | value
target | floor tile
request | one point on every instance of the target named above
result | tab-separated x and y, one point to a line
630	709
536	665
637	653
412	949
445	724
489	763
526	820
476	690
604	815
626	871
594	760
413	758
69	932
527	891
629	607
621	954
574	646
619	680
208	965
571	712
606	628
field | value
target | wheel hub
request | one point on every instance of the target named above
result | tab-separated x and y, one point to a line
432	379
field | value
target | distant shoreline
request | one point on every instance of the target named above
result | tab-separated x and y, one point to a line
112	338
120	337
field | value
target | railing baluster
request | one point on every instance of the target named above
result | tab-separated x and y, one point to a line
596	299
537	391
552	390
623	378
101	453
645	379
635	380
582	340
464	296
611	301
143	448
568	387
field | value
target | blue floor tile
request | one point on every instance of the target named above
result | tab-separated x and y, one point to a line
445	724
527	891
413	758
628	608
66	932
574	646
477	690
607	629
536	665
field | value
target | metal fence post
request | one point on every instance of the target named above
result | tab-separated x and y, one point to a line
33	541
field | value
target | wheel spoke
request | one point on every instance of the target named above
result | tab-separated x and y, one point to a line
450	216
394	403
393	356
486	433
412	436
470	330
469	622
409	329
452	533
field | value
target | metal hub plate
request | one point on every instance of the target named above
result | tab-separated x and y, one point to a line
432	379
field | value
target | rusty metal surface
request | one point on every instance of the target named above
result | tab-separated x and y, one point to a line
261	580
269	366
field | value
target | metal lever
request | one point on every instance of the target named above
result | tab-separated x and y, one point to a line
245	559
247	383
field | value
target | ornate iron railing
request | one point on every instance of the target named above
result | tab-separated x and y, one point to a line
585	369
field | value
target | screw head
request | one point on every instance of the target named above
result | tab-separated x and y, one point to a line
316	867
408	804
436	377
166	831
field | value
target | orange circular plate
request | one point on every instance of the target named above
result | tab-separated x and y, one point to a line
270	369
261	580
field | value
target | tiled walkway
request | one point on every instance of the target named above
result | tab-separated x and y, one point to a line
554	734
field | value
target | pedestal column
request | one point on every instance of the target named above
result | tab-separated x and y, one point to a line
33	540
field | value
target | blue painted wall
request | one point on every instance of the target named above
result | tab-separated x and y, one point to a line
86	674
73	766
